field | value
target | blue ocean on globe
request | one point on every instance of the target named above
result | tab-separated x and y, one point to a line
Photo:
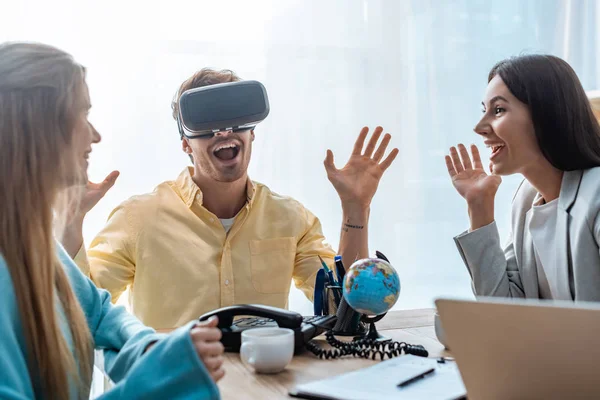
371	286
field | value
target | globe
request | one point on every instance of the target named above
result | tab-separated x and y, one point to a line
371	286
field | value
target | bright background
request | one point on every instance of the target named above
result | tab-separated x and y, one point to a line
416	67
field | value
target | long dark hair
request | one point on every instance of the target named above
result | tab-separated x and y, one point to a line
565	126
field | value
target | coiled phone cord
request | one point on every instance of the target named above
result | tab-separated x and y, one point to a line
364	348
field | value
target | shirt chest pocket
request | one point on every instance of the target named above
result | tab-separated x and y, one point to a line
272	264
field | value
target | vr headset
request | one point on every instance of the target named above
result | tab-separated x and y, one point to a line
235	106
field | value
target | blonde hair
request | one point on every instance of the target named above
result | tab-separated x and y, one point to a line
41	90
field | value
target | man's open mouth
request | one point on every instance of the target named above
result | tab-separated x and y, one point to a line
226	151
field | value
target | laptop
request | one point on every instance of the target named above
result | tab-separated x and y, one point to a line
524	349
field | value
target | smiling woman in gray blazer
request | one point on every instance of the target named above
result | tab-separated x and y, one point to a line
538	122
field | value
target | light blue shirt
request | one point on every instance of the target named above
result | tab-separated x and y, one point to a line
171	369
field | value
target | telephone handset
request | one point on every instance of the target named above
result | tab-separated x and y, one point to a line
305	328
284	318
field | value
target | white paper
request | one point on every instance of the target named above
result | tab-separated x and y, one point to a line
380	382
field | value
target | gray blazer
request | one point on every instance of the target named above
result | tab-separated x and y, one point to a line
512	272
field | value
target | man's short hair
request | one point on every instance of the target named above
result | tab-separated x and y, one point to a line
204	77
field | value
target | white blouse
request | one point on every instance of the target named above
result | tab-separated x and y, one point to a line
553	279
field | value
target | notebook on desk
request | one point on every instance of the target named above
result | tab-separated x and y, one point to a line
381	382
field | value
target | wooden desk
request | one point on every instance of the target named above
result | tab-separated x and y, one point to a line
411	326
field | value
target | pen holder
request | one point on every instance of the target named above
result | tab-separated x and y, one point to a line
348	321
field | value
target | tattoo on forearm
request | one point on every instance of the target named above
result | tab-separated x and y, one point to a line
346	226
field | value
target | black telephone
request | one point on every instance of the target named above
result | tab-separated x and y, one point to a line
305	328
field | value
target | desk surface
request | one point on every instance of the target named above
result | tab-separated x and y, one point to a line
411	326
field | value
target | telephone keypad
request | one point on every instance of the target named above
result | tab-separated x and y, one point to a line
255	322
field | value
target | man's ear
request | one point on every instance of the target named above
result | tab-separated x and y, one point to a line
252	135
185	146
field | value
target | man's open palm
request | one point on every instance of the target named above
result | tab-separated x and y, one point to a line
357	181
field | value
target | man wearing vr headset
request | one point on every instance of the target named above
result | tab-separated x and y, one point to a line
212	237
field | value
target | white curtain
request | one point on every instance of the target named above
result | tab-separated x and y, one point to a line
416	67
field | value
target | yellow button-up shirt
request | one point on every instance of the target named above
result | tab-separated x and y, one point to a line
180	263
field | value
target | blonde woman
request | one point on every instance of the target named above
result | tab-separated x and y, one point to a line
51	316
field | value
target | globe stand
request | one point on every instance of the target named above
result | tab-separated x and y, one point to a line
372	333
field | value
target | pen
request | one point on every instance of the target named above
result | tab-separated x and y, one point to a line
416	378
339	269
328	272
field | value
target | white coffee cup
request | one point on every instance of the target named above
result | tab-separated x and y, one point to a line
267	350
439	330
